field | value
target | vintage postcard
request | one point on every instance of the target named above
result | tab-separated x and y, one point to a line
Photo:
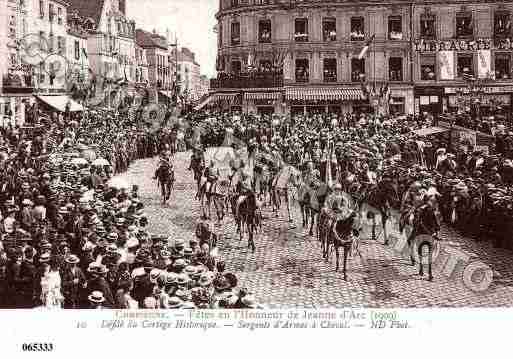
214	166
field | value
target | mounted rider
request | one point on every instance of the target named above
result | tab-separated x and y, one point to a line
413	200
165	175
211	175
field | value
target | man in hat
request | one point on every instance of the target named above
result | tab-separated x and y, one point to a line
96	300
166	176
97	282
27	280
73	282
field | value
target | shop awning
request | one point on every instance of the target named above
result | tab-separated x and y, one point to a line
217	97
59	103
262	95
430	131
323	94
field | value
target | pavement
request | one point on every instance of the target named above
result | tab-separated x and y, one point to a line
288	271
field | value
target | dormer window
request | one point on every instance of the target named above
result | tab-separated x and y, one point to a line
464	25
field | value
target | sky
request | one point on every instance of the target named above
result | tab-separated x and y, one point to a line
193	22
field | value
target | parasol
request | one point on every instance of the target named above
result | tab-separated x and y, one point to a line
79	161
118	183
101	162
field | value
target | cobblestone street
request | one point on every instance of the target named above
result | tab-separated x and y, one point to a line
288	271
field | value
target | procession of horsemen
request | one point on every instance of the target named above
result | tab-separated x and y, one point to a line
346	172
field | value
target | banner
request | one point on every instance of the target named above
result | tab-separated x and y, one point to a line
446	62
484	68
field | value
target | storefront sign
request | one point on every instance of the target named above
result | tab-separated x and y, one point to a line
488	89
446	61
462	45
484	67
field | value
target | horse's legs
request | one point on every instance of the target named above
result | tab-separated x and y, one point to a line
346	253
288	206
251	242
384	224
312	222
337	254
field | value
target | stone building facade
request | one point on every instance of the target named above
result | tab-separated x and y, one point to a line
310	50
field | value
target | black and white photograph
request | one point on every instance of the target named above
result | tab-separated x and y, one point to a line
250	156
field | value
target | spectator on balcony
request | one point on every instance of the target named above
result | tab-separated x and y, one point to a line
396	35
357	33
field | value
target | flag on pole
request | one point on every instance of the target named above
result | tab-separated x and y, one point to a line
366	47
84	52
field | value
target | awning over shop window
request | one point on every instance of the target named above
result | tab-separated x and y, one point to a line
323	94
59	103
262	96
430	131
218	97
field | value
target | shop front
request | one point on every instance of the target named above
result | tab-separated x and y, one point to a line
221	101
317	100
266	103
428	100
494	100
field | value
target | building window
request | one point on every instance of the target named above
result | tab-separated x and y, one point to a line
395	28
464	26
235	3
427	27
236	67
301	30
264	31
395	67
330	70
302	70
50	43
60	44
465	66
235	33
357	70
51	12
357	29
12	26
77	50
59	16
427	68
220	34
502	24
42	73
502	66
41	9
329	29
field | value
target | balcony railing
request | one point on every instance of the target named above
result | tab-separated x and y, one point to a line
247	80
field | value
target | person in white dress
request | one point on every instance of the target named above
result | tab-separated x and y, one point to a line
51	295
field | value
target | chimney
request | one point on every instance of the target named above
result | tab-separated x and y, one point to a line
122	6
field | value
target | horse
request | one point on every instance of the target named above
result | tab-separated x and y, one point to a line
422	232
217	195
336	230
197	166
247	215
280	187
166	178
311	200
378	198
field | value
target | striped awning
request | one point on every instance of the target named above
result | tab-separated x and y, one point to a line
262	95
217	97
323	94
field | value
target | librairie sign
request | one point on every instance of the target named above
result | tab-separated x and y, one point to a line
462	45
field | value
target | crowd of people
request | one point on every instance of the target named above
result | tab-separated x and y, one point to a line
473	187
74	236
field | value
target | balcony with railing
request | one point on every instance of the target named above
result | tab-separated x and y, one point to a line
248	80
